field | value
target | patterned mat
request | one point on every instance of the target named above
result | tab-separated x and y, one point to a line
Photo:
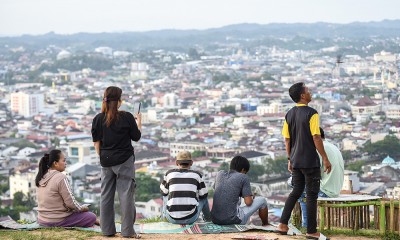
157	227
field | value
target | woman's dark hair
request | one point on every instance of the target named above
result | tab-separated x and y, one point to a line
240	163
112	95
295	91
45	163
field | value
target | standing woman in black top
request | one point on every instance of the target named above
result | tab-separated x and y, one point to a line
112	133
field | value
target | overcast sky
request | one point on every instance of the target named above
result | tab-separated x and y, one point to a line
70	16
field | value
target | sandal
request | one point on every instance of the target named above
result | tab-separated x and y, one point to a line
135	235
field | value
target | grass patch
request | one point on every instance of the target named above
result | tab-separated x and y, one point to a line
151	220
47	234
349	232
361	232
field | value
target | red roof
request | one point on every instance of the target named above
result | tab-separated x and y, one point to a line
365	101
159	201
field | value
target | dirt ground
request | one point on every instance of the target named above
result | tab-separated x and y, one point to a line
242	235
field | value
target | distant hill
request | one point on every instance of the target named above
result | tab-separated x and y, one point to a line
171	38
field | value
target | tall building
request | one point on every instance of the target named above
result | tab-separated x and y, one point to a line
27	104
170	100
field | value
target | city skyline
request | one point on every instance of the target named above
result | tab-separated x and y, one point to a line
68	17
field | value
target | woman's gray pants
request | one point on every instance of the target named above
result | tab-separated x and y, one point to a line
122	179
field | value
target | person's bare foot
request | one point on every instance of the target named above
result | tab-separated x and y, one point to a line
282	229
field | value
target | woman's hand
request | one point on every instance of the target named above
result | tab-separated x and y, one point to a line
85	209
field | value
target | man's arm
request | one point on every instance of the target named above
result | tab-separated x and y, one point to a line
286	135
248	200
287	146
319	145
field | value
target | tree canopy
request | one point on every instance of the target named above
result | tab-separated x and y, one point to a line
147	187
390	145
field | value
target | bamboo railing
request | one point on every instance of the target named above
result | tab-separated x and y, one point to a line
356	215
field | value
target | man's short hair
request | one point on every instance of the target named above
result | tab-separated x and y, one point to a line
295	91
240	163
322	133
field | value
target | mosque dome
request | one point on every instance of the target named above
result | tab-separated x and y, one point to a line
388	161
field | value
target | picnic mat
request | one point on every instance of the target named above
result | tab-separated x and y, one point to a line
157	227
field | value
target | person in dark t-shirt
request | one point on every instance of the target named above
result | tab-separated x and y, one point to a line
230	187
302	140
113	132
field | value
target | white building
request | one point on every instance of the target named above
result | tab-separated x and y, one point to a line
385	57
83	107
392	111
27	104
23	182
104	50
393	192
63	54
349	144
24	152
351	181
153	208
191	147
365	107
274	107
139	70
170	100
83	152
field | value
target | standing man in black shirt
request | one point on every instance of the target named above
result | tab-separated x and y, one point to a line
302	139
112	133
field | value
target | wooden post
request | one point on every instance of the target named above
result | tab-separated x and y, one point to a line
382	217
391	216
328	211
398	213
357	219
321	217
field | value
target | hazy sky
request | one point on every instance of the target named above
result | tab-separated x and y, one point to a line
71	16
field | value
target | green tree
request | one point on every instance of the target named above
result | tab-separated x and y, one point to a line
55	141
146	187
255	171
13	213
18	199
229	109
390	145
355	166
24	143
193	54
277	166
346	155
267	76
221	77
196	154
224	166
4	185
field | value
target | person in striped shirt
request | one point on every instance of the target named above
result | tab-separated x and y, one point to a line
184	193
